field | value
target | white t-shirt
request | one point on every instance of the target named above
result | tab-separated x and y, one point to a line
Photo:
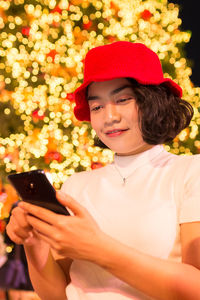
161	191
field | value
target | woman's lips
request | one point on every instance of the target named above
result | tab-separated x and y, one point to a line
115	132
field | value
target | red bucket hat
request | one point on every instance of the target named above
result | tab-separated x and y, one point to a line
116	60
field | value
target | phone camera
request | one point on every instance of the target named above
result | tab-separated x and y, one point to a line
31	188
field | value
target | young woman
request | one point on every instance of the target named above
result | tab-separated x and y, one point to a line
134	229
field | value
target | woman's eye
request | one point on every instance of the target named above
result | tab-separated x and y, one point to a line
123	99
96	108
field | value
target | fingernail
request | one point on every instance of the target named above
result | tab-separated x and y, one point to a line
21	204
30	234
27	240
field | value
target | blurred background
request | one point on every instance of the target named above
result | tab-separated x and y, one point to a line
42	48
189	15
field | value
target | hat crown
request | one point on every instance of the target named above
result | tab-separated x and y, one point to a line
123	59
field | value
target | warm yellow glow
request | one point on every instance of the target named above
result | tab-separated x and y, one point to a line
43	64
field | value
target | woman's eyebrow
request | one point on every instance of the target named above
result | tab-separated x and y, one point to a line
116	91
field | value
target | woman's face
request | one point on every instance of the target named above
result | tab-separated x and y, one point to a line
114	116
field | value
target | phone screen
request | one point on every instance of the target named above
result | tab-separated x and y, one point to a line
34	187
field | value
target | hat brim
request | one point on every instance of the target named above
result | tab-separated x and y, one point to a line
82	111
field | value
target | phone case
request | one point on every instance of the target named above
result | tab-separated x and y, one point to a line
35	188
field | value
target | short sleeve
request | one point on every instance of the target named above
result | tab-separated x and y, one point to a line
74	185
67	186
190	202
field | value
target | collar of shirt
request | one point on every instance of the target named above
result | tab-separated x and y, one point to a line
126	165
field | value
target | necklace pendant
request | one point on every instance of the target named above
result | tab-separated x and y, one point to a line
124	181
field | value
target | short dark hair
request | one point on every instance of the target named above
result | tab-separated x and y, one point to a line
162	115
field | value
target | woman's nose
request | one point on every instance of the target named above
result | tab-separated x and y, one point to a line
112	113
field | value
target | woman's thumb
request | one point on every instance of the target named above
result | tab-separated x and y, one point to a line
71	205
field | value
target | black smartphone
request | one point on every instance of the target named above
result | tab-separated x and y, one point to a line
35	188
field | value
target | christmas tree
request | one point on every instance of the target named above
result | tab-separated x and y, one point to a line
42	48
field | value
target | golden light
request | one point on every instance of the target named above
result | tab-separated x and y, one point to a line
42	64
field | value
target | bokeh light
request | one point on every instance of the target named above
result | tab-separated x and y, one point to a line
42	48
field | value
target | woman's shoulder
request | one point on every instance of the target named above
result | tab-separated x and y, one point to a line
79	180
180	159
179	165
90	173
192	160
186	165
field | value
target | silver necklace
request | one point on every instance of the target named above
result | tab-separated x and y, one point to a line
123	178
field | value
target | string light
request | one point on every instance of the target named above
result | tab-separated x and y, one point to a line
42	50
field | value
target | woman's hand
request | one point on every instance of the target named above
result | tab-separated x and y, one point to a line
77	236
19	230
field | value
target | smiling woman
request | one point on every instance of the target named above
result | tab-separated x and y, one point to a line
134	228
160	114
114	115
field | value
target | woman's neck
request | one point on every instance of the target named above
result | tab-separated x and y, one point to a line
138	150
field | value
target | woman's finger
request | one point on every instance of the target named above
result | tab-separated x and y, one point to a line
16	228
20	217
39	212
16	237
71	204
41	227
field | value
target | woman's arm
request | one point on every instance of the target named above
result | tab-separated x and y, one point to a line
79	237
48	277
158	278
64	263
